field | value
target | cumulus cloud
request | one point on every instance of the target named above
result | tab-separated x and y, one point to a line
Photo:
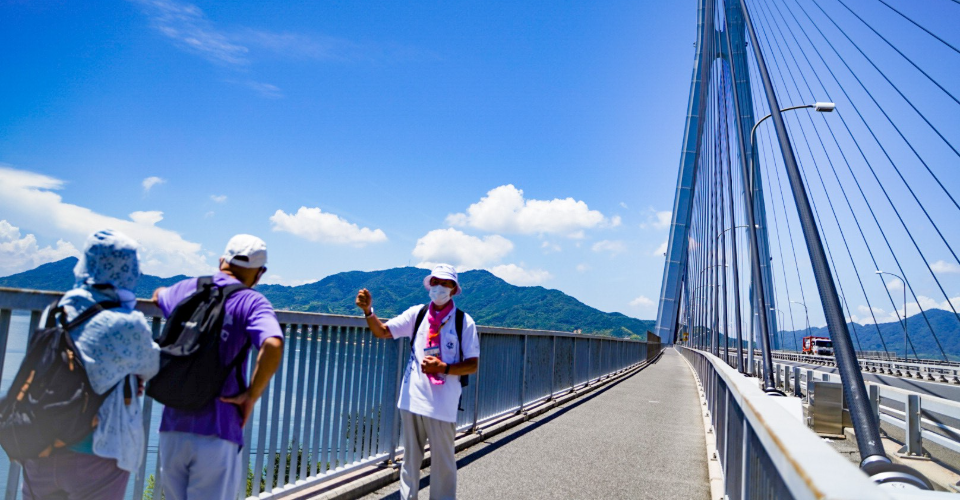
641	302
150	218
148	183
661	250
218	198
658	220
28	198
944	267
582	268
913	308
505	210
519	276
276	279
18	254
314	225
460	250
611	247
549	247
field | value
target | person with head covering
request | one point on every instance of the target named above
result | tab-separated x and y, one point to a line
113	344
430	391
200	450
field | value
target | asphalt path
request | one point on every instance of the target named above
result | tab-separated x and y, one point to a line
939	389
641	438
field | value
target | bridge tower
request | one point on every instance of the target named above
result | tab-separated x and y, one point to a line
721	47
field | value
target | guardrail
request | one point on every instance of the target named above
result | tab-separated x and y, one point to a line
926	424
331	407
765	451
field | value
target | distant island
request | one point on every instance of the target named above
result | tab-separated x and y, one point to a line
487	298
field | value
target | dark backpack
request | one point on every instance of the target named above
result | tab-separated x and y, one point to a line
51	404
191	371
458	321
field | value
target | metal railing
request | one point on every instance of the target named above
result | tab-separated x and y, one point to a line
764	450
331	407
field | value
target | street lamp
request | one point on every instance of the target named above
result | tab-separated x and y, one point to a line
820	107
904	283
805	313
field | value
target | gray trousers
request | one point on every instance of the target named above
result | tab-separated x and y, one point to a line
195	467
417	431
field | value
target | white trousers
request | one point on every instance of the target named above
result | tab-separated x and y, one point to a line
417	431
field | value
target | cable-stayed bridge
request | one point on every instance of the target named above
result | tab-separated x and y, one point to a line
816	196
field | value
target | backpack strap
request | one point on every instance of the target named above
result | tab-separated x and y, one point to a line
227	291
460	315
85	315
416	326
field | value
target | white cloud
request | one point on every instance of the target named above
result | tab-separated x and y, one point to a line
504	210
150	218
148	184
27	197
623	205
661	250
913	308
641	302
550	247
658	220
190	29
267	90
944	267
582	268
517	275
895	284
209	214
613	247
219	198
314	225
460	250
22	254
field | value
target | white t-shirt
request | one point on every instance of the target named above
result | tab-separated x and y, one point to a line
417	394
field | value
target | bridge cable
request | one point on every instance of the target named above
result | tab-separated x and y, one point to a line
873	172
910	103
846	198
921	27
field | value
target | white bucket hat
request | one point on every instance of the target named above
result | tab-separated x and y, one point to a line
444	272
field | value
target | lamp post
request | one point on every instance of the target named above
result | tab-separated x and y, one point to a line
822	107
904	283
806	313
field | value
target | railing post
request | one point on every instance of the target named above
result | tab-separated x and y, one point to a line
875	400
553	365
914	444
796	382
395	431
809	385
523	376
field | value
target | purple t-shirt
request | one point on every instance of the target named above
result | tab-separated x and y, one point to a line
248	315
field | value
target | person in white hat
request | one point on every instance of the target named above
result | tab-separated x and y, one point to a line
431	387
200	450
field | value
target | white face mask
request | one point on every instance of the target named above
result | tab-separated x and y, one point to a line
439	294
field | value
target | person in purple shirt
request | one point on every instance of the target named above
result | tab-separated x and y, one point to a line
200	450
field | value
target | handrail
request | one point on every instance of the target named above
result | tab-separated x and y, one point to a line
331	407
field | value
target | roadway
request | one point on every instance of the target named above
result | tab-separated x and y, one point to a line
641	438
939	389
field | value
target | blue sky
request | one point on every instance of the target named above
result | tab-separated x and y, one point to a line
538	140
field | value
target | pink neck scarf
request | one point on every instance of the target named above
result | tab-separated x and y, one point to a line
435	318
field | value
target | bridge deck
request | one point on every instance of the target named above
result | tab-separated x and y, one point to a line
642	438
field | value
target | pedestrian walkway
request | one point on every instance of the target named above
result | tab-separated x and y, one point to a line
641	438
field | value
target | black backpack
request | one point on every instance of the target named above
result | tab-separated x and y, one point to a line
458	320
191	371
51	404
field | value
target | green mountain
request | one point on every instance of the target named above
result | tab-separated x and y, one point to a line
489	300
58	276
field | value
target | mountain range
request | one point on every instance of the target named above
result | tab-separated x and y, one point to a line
487	298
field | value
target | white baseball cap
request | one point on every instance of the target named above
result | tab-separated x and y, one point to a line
444	272
244	250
